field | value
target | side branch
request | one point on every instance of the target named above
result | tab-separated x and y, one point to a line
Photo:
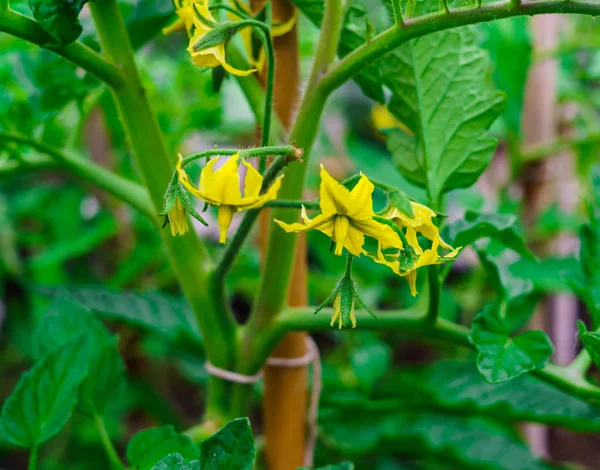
126	190
351	64
301	319
25	28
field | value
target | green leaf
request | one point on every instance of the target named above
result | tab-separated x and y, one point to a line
45	396
65	321
370	362
149	446
59	18
457	387
506	283
176	462
439	92
501	228
230	448
169	317
501	357
354	35
590	341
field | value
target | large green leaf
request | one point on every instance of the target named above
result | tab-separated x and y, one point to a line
45	396
230	448
458	387
501	357
501	228
66	320
167	316
59	18
439	93
150	446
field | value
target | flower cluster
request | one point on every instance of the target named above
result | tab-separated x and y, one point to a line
347	217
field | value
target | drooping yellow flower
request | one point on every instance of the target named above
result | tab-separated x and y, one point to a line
212	56
185	11
277	30
177	219
222	188
406	267
346	216
422	223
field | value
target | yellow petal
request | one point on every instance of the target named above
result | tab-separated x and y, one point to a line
315	223
340	232
304	215
224	218
411	278
207	178
219	53
185	181
253	181
411	238
227	182
177	219
384	234
361	200
337	312
354	241
335	199
259	201
280	29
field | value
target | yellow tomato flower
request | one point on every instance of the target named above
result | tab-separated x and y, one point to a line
177	219
277	30
185	11
347	216
425	258
222	188
422	222
212	56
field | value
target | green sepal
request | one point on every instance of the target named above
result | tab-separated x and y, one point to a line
329	299
401	201
176	192
221	33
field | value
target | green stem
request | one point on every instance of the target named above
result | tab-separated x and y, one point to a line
435	290
189	257
580	365
126	190
302	319
258	152
294	204
539	152
25	28
33	458
390	39
111	453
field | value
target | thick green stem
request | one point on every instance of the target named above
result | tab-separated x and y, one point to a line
25	28
111	453
189	258
435	290
390	39
126	190
580	364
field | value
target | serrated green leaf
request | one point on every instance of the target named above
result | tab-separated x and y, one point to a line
459	387
150	446
590	341
65	321
176	462
501	228
230	448
45	396
59	18
167	316
501	357
439	93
